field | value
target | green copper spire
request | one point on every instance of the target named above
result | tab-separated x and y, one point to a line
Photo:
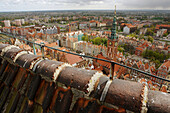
113	30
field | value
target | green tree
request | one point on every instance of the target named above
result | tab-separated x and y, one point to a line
137	31
157	63
166	34
155	56
129	48
97	41
149	32
104	41
85	38
120	49
132	35
2	24
150	39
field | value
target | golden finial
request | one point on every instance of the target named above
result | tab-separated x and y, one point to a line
115	9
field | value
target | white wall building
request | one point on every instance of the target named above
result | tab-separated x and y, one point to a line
161	32
126	30
18	22
101	24
22	21
51	30
7	23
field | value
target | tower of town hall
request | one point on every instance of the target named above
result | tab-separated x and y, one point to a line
112	42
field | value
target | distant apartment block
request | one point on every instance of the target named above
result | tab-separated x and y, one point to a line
129	29
73	26
7	23
22	21
18	22
93	23
51	30
83	25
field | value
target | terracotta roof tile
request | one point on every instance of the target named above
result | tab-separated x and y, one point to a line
103	63
29	85
72	59
167	64
139	48
146	65
163	89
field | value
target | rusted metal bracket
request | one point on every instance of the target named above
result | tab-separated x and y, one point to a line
101	81
103	96
36	64
42	49
112	65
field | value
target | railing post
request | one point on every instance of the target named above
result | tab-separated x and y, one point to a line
112	66
42	49
58	56
34	47
54	54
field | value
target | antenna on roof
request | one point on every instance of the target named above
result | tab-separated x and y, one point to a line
115	7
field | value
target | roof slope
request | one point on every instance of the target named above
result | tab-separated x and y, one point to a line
31	84
72	59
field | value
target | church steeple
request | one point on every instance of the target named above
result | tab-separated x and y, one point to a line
113	30
112	42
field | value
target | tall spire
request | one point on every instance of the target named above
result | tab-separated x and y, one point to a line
115	9
113	30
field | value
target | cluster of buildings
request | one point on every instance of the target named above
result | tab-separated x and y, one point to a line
135	62
129	28
76	25
17	22
162	29
33	31
72	41
141	45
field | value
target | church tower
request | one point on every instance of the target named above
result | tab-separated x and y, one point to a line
112	42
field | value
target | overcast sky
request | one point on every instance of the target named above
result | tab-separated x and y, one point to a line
32	5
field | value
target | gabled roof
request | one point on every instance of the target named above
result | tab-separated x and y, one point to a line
103	63
162	25
166	64
139	48
72	59
146	66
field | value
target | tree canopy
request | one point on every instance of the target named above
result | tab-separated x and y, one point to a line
150	39
149	32
155	56
96	41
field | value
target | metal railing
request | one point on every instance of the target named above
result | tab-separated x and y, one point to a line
42	46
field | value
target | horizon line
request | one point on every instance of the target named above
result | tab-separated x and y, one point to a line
85	10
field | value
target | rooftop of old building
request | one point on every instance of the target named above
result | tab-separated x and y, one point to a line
30	83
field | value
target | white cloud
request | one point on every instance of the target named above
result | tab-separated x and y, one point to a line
13	5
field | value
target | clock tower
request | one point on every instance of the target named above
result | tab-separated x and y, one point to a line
112	42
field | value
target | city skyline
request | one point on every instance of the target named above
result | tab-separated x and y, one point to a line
33	5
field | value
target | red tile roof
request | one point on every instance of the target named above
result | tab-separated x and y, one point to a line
163	89
126	76
166	64
72	59
139	48
162	25
129	25
39	41
146	66
52	44
142	80
103	63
